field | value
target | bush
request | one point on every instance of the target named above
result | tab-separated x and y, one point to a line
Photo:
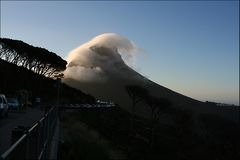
81	142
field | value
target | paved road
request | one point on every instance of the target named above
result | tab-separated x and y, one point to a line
31	116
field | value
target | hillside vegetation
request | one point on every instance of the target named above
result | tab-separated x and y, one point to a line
217	139
35	70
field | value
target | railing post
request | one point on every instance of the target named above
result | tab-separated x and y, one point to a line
35	143
32	142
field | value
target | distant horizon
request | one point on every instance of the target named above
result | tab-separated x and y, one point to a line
189	47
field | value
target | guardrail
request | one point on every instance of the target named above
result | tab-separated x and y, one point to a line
35	143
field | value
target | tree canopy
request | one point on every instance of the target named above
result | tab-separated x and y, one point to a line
36	59
136	93
157	105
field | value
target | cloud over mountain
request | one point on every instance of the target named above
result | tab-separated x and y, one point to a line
103	67
103	55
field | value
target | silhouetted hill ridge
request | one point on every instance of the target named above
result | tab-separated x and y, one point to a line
14	78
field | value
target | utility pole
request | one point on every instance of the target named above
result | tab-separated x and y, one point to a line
58	91
238	108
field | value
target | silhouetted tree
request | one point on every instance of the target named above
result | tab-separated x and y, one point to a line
36	59
157	107
137	94
23	97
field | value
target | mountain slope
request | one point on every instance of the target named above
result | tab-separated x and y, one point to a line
100	67
117	75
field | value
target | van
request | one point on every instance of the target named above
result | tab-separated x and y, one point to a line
3	106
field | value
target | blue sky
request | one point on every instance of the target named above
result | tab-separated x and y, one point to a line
191	47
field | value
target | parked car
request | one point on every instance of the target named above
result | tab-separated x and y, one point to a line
3	106
13	104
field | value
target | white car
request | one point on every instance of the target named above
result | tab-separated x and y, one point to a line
3	106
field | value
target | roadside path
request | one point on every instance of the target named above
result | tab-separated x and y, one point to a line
28	118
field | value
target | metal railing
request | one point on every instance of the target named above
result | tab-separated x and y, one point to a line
35	143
